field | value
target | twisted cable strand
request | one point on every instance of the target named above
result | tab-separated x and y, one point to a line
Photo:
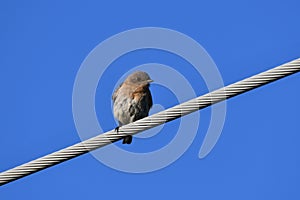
151	121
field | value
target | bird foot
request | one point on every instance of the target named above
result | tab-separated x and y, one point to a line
117	129
127	139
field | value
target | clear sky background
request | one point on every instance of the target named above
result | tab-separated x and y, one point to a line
43	44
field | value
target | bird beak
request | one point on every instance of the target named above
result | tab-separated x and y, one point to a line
147	82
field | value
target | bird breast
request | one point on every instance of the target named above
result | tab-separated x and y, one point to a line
131	106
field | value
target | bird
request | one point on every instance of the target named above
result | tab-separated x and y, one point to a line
132	100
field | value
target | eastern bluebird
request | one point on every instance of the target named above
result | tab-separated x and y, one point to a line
132	100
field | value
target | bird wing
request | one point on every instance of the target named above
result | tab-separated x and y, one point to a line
116	92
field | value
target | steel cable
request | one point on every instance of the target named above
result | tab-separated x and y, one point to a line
151	121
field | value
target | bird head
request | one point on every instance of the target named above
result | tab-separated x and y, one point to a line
139	77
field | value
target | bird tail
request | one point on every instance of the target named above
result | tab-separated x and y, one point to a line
127	139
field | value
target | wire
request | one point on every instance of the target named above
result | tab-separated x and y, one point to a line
151	121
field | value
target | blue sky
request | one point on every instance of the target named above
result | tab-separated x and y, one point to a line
43	45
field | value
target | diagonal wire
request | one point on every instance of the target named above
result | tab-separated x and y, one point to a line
151	121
